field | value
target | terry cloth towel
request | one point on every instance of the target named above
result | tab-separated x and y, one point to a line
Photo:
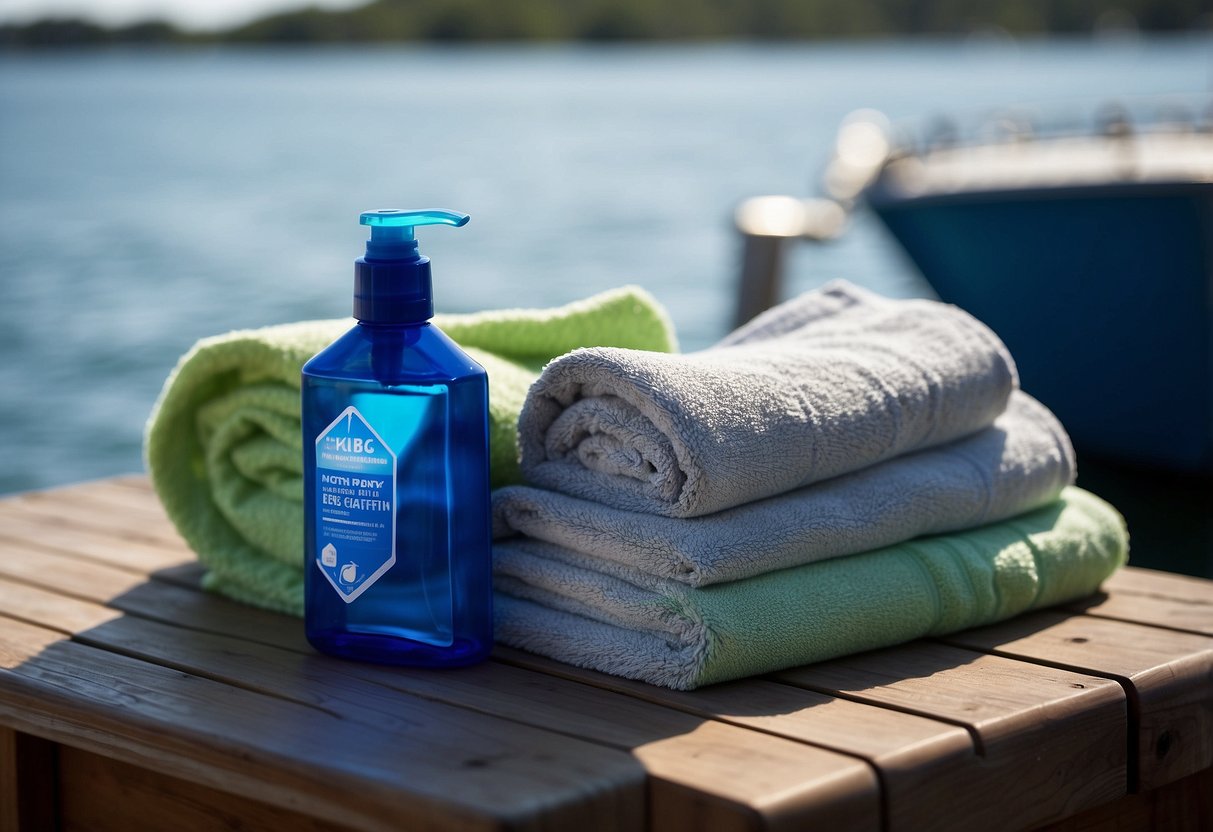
830	382
602	615
224	447
1020	463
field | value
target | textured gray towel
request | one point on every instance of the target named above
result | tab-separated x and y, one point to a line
600	614
1020	463
830	382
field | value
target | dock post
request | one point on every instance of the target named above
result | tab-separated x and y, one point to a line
766	224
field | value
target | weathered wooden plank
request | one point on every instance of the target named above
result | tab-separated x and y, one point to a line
451	768
795	797
749	779
99	794
104	504
1035	728
1168	674
140	519
62	573
776	709
139	556
921	761
52	610
1145	596
908	780
27	782
117	486
922	767
747	788
129	531
1138	581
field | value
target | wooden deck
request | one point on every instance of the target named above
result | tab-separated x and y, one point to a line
130	699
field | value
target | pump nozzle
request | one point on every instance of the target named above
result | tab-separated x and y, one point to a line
392	282
392	236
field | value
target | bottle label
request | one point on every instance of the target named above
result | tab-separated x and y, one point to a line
355	505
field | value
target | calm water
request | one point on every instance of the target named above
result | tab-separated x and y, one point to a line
149	199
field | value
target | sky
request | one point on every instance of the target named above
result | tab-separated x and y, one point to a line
188	14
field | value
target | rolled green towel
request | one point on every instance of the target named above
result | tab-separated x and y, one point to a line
224	447
601	614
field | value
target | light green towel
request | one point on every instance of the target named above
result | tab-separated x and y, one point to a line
223	443
601	614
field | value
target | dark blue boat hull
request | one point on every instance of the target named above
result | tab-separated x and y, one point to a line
1104	295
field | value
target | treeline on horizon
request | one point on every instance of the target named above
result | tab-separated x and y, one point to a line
639	20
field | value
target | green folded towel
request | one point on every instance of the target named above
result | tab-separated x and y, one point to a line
224	447
600	614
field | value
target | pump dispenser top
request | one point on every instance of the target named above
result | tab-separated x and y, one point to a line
392	283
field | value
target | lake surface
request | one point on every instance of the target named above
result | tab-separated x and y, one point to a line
148	199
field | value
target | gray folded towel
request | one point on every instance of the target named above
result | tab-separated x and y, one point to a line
1020	463
601	614
831	382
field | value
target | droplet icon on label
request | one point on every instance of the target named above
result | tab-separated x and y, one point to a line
349	573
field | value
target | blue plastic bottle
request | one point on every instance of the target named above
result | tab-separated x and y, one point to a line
395	460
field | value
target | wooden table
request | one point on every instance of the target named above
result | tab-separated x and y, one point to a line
130	699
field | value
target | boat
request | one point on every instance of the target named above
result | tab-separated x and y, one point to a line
1091	256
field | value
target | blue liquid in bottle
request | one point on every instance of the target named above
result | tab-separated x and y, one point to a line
395	421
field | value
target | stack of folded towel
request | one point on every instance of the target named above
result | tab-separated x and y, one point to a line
843	473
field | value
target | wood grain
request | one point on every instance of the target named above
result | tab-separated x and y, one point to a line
140	556
920	761
1051	742
911	753
1167	674
453	769
751	780
1144	596
111	646
129	518
55	571
795	785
